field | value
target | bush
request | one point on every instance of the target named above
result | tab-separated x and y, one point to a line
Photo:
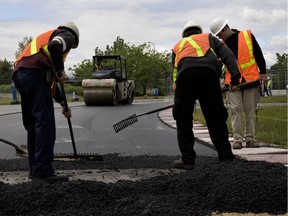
5	88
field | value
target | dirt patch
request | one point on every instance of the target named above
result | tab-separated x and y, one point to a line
213	188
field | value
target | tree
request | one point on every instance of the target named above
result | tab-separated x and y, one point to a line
278	71
146	66
22	44
83	70
6	69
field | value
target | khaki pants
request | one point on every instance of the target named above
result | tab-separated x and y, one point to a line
244	100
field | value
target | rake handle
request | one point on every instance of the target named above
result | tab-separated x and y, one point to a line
245	85
156	110
68	119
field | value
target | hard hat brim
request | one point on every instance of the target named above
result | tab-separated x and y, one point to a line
221	28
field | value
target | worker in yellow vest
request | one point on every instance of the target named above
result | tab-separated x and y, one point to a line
196	75
252	66
269	86
36	71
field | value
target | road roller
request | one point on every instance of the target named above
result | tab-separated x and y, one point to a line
109	84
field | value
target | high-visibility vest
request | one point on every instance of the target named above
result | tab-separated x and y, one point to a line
193	46
37	44
246	60
40	43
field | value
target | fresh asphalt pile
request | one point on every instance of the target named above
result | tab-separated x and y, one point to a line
242	186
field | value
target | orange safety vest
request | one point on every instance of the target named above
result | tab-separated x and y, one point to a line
193	46
246	60
40	43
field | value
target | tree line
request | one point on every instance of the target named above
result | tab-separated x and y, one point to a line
147	66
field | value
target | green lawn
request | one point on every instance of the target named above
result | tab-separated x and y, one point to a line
271	121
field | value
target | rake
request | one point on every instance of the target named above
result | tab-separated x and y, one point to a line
134	118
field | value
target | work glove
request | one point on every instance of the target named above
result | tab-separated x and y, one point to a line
67	114
61	76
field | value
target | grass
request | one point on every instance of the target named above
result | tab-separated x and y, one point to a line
271	121
5	101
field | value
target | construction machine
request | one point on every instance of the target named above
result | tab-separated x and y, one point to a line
109	84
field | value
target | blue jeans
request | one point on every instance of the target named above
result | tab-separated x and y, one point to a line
38	119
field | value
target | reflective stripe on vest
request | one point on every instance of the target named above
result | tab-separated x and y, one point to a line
34	47
246	60
192	46
248	41
40	42
37	44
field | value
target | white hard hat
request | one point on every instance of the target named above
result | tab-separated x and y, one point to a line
190	24
217	25
71	26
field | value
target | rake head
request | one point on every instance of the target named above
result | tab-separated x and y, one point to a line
125	123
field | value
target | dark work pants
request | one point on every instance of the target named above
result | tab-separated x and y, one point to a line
38	119
202	84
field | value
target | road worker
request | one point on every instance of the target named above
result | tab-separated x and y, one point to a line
251	64
36	71
196	75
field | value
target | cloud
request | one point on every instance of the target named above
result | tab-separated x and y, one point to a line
280	43
265	16
137	22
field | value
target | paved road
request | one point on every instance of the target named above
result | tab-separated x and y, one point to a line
148	136
93	131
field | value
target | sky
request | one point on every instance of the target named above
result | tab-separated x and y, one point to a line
158	22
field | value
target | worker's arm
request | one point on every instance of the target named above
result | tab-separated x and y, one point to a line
61	42
259	57
228	58
59	99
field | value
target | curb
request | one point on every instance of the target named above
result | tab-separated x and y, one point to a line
267	152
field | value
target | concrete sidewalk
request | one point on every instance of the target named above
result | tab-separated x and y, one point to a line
267	152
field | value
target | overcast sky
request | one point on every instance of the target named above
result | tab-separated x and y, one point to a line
139	21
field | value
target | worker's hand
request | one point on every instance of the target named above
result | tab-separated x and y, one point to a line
174	87
233	88
66	114
263	77
61	76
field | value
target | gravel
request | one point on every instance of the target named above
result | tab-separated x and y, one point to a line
241	187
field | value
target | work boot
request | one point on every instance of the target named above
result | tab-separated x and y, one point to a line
237	145
252	144
178	164
51	179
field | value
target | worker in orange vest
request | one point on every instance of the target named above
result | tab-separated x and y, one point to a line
252	66
196	75
36	71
